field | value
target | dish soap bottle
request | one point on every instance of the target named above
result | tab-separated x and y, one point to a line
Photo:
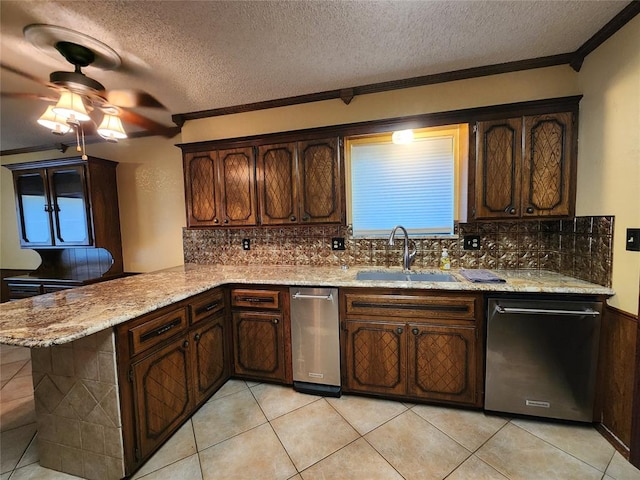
445	261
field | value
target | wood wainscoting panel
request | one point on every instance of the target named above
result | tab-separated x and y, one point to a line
617	370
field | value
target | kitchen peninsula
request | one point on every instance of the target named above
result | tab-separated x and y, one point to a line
79	371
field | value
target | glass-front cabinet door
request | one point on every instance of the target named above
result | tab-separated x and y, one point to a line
69	206
34	209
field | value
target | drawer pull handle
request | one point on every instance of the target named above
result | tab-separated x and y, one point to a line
254	299
408	306
160	331
207	308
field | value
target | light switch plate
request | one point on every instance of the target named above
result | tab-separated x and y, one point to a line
633	239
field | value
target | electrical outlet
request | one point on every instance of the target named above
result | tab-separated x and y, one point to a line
337	243
633	239
471	242
246	244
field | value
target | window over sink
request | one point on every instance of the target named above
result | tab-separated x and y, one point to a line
419	185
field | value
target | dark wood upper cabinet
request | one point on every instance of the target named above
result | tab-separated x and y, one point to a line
220	188
288	183
67	203
319	169
277	168
525	167
300	183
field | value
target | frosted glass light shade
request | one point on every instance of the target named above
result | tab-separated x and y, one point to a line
53	122
111	128
402	137
71	108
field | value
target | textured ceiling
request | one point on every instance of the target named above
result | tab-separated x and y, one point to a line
200	55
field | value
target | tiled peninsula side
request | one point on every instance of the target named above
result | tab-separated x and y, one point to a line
78	407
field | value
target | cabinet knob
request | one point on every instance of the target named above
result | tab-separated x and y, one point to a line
226	220
185	344
196	337
215	220
512	211
399	330
529	209
47	208
415	331
305	218
275	321
293	218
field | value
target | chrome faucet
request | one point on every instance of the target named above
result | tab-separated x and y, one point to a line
408	256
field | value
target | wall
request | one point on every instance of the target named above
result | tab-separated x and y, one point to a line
151	201
609	150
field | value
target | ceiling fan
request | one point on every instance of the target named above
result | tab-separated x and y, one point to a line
77	95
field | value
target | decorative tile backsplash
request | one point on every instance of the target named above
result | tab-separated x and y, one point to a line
579	247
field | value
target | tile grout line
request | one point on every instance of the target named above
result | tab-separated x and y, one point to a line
562	450
362	436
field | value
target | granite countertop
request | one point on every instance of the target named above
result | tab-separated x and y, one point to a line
68	315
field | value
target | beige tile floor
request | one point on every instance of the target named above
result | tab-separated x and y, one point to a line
262	431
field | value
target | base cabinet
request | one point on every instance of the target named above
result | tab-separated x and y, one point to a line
169	363
261	334
413	345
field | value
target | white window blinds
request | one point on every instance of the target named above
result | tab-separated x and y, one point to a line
410	185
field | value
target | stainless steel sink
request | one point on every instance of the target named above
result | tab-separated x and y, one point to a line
406	277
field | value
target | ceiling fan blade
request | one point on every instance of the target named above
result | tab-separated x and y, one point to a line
26	75
31	96
132	98
149	125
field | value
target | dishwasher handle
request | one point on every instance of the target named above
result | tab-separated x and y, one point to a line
541	311
302	296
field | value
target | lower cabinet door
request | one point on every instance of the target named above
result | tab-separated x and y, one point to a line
376	357
258	345
442	362
210	368
161	394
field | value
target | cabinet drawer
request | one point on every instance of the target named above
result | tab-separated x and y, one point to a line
411	306
262	299
17	291
56	288
205	305
157	329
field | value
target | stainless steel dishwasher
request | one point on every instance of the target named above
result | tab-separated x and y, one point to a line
315	341
542	357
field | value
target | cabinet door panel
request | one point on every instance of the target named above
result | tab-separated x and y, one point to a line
200	189
210	369
442	362
547	166
33	208
258	340
72	224
237	186
320	187
498	165
161	394
375	357
276	184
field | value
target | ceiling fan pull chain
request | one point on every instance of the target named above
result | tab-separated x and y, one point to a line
78	149
84	152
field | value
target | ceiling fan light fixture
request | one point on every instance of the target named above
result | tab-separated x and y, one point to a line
71	108
53	122
111	128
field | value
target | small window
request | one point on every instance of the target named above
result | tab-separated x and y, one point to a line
415	185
